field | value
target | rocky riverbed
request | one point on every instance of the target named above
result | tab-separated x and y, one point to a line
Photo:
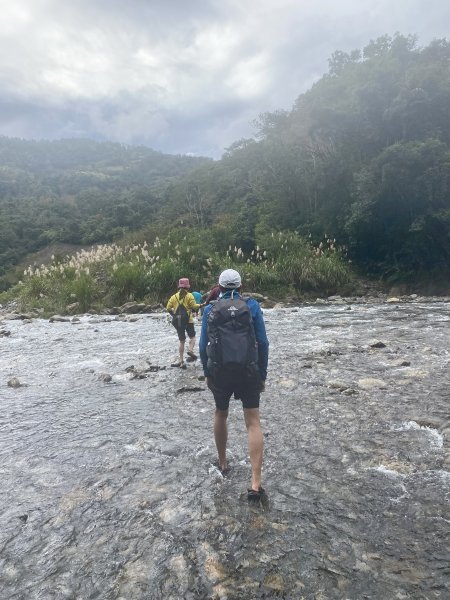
109	488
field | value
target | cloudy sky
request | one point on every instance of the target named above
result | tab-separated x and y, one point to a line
180	76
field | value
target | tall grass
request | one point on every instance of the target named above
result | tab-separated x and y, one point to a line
108	275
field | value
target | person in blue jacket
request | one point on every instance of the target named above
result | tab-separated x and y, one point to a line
198	297
247	390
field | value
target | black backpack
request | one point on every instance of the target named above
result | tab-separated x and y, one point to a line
231	335
180	318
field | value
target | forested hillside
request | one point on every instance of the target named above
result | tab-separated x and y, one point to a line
363	157
78	192
362	160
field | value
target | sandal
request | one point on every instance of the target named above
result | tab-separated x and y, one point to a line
256	496
192	355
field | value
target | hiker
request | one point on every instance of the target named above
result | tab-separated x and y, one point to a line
180	306
198	298
212	295
234	351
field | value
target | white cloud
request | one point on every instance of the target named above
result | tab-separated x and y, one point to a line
179	76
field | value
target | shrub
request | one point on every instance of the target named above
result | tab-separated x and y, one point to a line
128	282
83	288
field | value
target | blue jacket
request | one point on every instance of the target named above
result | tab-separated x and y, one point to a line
260	333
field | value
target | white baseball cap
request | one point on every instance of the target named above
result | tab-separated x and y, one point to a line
230	279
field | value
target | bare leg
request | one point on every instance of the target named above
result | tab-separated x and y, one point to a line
181	350
192	344
221	436
255	444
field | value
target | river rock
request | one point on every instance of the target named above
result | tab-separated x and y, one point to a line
73	308
287	383
13	316
400	362
338	385
132	308
14	383
58	319
4	333
415	373
392	300
377	344
349	392
142	371
190	388
431	422
105	377
115	310
369	383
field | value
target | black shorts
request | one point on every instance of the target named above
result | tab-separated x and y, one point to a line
245	385
189	329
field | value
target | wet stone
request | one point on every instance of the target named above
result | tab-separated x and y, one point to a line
377	344
370	383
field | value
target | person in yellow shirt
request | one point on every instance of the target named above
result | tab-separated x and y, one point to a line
180	306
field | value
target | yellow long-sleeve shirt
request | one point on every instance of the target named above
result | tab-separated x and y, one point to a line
188	301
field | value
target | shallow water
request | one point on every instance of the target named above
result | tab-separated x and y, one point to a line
109	490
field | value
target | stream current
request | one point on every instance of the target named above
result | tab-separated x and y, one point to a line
109	489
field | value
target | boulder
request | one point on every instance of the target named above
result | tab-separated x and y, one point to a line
73	308
132	308
59	319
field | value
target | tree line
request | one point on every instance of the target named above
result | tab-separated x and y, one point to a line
362	158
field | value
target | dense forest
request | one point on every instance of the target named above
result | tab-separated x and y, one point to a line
78	192
362	159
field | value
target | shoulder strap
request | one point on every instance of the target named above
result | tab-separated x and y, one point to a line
179	299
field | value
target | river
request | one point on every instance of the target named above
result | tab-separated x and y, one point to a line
109	489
